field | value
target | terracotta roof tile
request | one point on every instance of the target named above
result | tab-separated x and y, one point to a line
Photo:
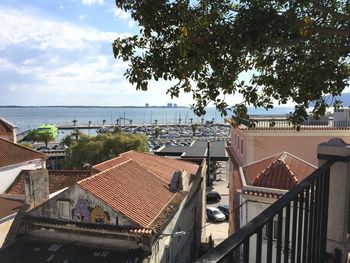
282	171
162	166
131	189
58	179
12	153
9	206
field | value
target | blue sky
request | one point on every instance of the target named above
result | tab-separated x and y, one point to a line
60	53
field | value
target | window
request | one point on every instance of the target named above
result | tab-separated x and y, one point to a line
116	221
241	146
235	139
64	209
238	139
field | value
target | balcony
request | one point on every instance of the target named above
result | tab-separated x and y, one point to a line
281	123
308	224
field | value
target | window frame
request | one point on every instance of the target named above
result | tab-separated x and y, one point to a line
61	204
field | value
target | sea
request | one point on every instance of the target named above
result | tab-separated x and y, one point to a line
26	118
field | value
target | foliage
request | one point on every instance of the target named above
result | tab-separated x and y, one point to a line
156	131
45	136
194	128
90	150
293	51
67	141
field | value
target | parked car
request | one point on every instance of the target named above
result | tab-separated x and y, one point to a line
213	197
43	149
215	214
225	210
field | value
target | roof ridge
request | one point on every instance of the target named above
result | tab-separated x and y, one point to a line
104	171
263	172
118	156
164	157
131	159
264	159
271	166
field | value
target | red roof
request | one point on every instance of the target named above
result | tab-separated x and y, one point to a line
161	166
9	206
131	189
282	171
58	179
12	153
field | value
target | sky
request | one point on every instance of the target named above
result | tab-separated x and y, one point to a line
60	53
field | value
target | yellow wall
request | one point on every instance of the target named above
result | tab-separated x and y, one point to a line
4	228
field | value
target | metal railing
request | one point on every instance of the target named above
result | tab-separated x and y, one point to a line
271	123
291	230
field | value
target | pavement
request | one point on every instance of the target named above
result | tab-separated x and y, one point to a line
219	231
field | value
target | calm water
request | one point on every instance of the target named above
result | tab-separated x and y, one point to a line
31	117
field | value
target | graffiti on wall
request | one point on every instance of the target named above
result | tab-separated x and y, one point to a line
90	212
99	216
81	212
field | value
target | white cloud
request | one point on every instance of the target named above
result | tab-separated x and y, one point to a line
82	17
121	14
93	2
37	32
45	61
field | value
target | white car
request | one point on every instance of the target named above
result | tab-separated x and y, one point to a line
215	214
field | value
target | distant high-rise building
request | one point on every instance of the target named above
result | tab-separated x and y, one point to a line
146	105
175	105
169	105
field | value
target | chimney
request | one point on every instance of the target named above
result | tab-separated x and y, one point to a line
179	181
36	186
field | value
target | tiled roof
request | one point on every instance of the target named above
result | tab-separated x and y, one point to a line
162	166
28	250
8	124
9	206
12	153
131	189
282	171
58	179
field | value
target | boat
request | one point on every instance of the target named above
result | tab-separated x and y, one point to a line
50	128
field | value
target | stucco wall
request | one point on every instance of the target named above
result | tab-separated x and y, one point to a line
239	144
8	174
4	229
81	203
302	146
183	248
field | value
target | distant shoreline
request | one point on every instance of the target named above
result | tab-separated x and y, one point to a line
56	106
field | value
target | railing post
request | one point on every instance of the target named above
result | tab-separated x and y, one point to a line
339	192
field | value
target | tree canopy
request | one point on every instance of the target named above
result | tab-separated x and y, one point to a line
90	150
45	137
292	50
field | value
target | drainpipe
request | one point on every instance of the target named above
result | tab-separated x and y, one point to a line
208	163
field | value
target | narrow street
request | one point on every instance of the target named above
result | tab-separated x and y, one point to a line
219	231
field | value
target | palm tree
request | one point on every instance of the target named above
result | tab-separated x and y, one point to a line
130	121
44	137
74	122
191	120
156	132
155	122
103	122
90	123
194	128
